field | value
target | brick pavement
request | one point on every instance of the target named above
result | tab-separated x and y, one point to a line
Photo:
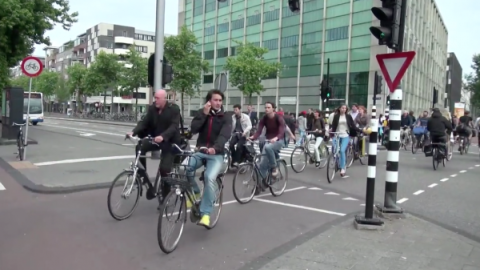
407	244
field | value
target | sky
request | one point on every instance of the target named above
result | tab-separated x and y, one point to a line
460	17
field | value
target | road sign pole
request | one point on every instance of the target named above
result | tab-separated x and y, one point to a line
27	120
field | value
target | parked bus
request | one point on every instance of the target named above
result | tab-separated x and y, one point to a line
36	107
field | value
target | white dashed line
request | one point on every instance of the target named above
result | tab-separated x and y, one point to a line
418	192
478	165
2	187
444	180
349	199
433	185
331	193
470	168
463	171
402	200
453	175
315	188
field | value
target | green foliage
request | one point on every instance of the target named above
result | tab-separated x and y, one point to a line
20	81
47	83
62	91
76	79
472	82
248	67
104	73
187	63
134	74
24	23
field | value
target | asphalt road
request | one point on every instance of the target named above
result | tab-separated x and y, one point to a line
77	226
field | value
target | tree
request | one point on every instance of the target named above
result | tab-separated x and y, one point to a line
47	84
20	81
62	91
472	83
23	24
104	74
187	63
76	83
134	74
248	67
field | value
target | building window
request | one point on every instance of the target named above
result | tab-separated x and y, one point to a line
254	19
238	24
124	33
222	53
207	78
208	55
210	31
110	33
271	44
142	49
290	41
233	51
139	95
337	33
210	5
271	15
223	4
288	13
223	27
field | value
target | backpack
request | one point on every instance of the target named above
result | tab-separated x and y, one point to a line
286	137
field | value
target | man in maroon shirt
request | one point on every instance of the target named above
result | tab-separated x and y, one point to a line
275	132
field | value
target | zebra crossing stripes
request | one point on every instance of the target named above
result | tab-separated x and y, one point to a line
284	152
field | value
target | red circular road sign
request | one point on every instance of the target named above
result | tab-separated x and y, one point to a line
31	66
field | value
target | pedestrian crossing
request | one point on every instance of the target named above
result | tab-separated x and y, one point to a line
284	152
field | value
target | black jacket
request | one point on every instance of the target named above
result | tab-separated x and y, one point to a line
213	130
438	124
164	124
351	124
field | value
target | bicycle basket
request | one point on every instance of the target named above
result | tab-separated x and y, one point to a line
428	150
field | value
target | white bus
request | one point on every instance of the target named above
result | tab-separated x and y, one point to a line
36	107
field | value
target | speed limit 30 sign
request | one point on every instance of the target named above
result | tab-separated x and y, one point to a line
32	66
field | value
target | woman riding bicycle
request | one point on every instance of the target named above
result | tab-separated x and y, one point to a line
343	124
318	131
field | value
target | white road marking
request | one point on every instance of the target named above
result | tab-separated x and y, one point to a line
362	204
69	161
433	185
402	200
418	192
2	187
477	165
331	193
301	207
444	180
349	199
463	171
470	168
89	131
453	175
315	188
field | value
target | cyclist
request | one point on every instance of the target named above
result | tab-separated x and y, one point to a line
214	128
420	128
241	124
318	127
343	123
275	129
160	122
302	125
405	122
437	125
464	127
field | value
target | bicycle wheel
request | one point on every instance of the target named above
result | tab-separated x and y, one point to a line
331	168
414	145
449	151
435	159
350	156
130	186
217	204
179	216
324	153
21	149
295	159
248	171
282	177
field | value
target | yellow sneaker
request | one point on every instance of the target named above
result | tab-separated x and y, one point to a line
205	221
189	203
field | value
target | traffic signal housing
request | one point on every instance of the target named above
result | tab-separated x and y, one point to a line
378	84
390	16
388	100
294	5
167	71
325	91
435	96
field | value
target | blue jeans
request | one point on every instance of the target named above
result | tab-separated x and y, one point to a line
214	165
302	134
343	149
269	161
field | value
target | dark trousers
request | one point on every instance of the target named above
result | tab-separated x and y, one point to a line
237	154
440	139
166	159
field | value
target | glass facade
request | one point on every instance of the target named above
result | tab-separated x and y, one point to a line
325	31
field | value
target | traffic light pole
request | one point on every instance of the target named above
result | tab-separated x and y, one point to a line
390	205
328	83
159	40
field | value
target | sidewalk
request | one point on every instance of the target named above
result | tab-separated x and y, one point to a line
406	244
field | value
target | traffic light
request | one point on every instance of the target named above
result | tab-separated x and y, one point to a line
388	100
294	5
389	15
167	71
378	84
435	96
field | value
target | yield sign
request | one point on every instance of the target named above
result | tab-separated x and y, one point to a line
394	66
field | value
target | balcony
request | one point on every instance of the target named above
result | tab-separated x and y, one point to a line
119	51
124	40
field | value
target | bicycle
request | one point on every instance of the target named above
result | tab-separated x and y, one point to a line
405	138
31	66
228	154
463	144
438	157
21	141
420	143
252	164
353	153
137	181
334	158
183	191
304	151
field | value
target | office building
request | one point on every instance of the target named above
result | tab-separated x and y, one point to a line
303	42
454	82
